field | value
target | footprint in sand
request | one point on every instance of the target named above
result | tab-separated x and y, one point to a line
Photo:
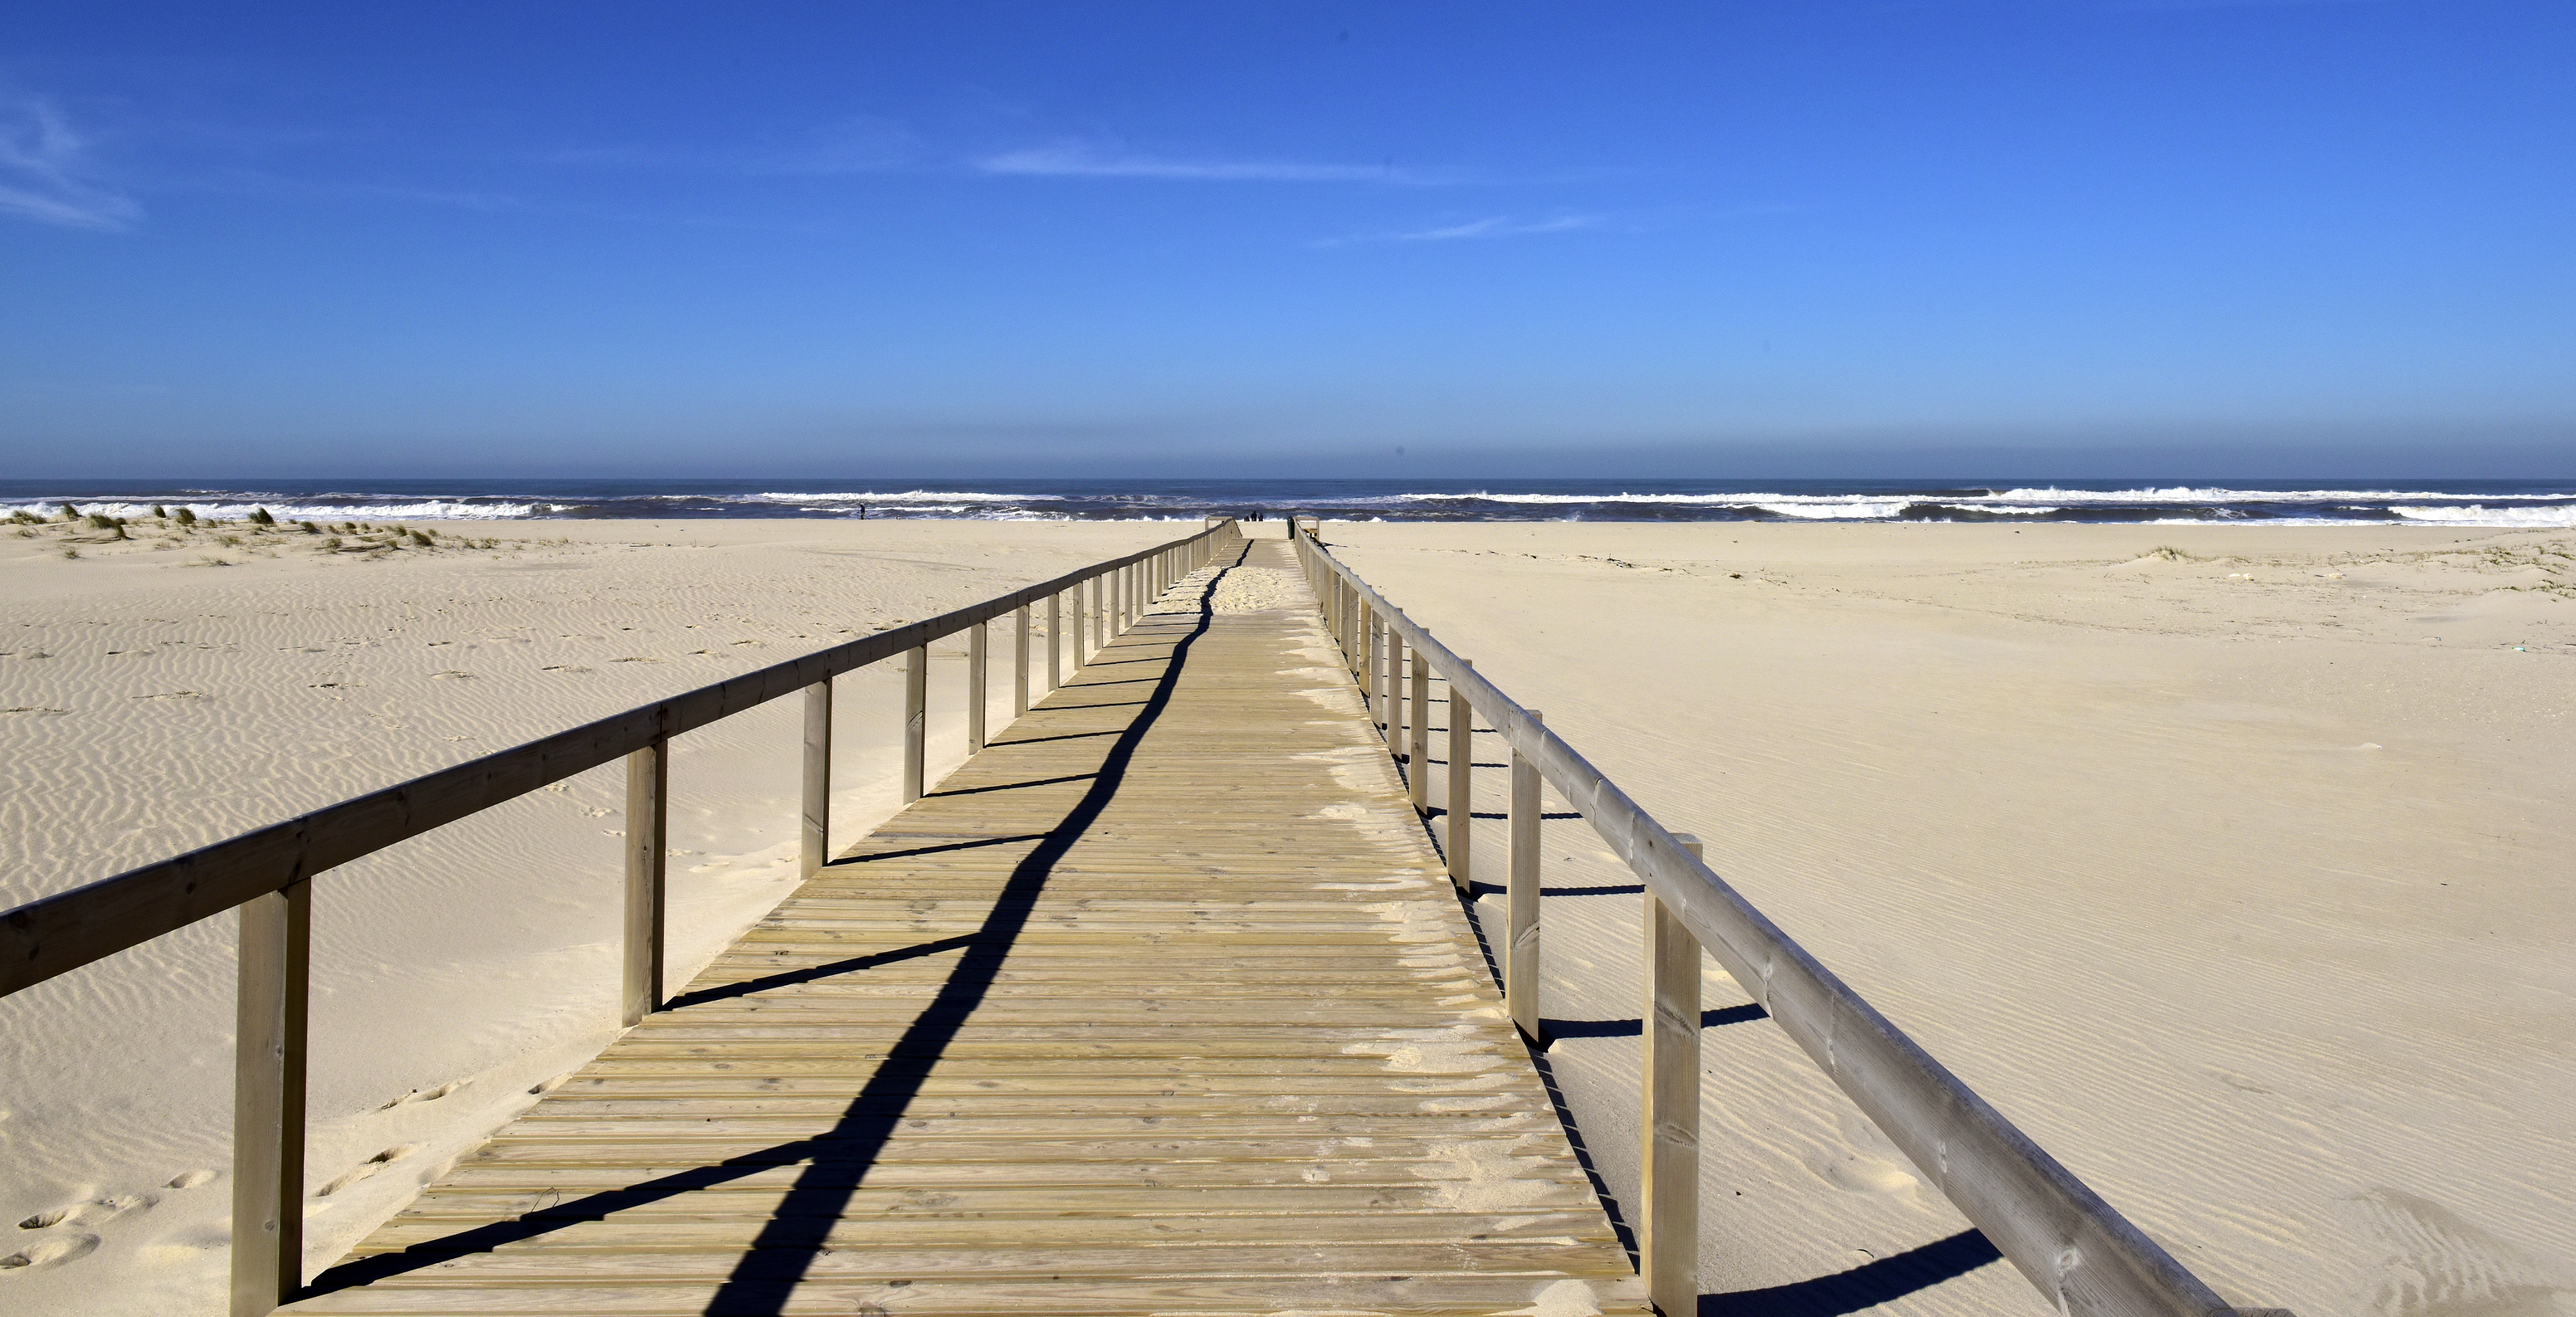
423	1095
89	1213
451	675
49	1253
369	1167
1867	1163
1862	1173
190	1179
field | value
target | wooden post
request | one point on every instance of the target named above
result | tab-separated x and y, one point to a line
978	695
916	719
1462	769
1392	677
1418	754
1521	899
1379	633
1055	634
273	982
1020	661
815	831
1099	614
648	801
1668	1164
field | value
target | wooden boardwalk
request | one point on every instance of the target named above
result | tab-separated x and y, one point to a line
1160	1004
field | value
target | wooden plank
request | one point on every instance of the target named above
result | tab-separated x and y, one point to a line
1370	1224
1446	1294
1252	1203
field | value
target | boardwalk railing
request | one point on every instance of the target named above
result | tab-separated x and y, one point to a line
268	873
2084	1256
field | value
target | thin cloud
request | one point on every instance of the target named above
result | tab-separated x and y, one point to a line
44	172
1077	160
1496	226
860	145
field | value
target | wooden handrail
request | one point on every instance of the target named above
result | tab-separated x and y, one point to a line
56	934
267	873
2074	1247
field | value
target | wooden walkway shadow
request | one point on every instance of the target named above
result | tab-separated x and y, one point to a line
1160	1004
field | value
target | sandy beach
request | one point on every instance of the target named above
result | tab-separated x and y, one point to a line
2237	876
2230	863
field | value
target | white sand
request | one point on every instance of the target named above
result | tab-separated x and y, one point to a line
2241	881
2222	876
157	705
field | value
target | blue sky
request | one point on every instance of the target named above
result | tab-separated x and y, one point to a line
1445	239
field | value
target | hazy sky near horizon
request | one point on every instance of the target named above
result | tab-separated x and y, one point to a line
1443	238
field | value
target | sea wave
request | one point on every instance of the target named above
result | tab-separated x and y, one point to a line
2500	504
2221	494
910	496
283	510
1838	509
2477	515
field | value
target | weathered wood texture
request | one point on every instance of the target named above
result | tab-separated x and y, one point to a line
1160	1004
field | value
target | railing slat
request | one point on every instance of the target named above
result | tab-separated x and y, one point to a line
1461	783
1668	1164
1417	782
814	820
979	697
1020	661
648	796
1521	899
274	989
916	721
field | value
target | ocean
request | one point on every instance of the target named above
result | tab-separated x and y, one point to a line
2491	503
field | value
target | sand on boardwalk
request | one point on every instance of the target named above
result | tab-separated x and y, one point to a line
2237	874
156	702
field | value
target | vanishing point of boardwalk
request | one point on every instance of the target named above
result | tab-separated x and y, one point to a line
1161	1003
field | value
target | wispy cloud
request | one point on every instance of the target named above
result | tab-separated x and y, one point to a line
46	173
858	145
1083	160
1496	226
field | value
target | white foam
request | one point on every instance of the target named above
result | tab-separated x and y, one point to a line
2220	494
1841	509
2477	515
912	496
426	510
